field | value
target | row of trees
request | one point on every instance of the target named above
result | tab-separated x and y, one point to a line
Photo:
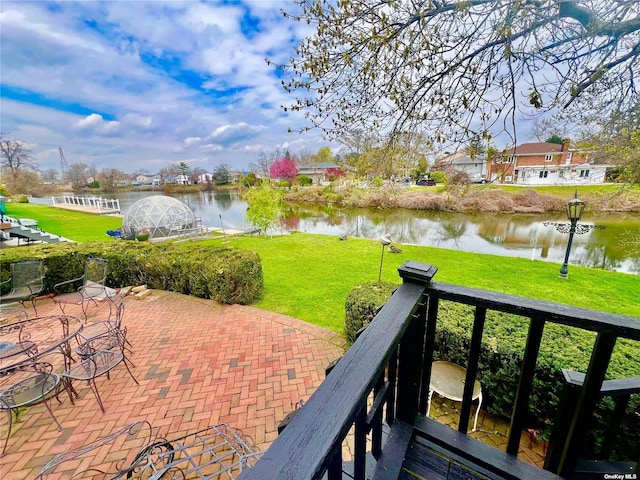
20	173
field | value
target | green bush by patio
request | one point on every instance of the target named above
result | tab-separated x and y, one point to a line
225	274
362	303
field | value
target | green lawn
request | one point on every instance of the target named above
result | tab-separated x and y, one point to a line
308	276
77	226
566	192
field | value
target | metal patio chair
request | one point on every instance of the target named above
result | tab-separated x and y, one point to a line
27	384
99	356
27	281
216	452
91	288
103	335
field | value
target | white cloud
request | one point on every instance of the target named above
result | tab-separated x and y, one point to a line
95	124
189	141
134	85
236	132
211	147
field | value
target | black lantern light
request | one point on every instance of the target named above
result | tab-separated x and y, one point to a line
575	207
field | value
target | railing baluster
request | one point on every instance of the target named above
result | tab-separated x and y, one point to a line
472	368
566	405
334	471
360	445
429	346
521	407
392	375
376	421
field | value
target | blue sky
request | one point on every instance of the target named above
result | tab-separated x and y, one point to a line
144	84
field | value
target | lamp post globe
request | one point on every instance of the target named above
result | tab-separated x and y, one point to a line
575	207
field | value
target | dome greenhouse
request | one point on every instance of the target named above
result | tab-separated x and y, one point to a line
159	216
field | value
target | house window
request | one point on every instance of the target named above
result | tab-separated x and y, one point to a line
548	157
511	158
569	157
584	173
544	174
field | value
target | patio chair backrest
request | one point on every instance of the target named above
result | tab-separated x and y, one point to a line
130	440
95	271
27	273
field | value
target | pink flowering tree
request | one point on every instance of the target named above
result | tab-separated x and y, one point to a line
333	174
284	169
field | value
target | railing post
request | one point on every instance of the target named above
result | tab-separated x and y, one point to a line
412	346
409	370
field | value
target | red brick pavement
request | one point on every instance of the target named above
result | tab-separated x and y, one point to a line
198	363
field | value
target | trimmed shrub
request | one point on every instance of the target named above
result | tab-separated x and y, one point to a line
362	304
439	176
224	274
304	180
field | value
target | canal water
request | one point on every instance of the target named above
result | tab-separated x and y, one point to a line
519	235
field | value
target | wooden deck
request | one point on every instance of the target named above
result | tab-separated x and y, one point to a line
384	379
437	452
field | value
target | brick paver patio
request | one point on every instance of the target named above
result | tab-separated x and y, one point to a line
198	363
201	363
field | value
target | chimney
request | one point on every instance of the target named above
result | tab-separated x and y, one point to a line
566	143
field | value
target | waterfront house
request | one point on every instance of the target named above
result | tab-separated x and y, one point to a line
544	163
474	166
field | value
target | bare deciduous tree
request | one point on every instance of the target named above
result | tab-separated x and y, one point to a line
110	179
76	175
16	156
265	161
50	176
544	128
616	141
456	69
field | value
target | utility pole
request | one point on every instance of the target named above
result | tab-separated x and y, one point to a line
63	163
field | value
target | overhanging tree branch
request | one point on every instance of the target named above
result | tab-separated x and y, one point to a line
454	68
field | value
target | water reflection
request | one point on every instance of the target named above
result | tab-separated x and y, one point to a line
521	235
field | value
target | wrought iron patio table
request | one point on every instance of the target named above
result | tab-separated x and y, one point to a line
447	380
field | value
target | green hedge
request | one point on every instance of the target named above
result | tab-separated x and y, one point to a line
503	345
362	303
224	274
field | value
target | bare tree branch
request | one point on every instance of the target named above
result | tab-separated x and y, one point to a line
458	69
15	155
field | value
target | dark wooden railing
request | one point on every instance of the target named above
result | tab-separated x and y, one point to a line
384	378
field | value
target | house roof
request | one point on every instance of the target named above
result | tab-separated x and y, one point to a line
536	148
450	158
326	165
